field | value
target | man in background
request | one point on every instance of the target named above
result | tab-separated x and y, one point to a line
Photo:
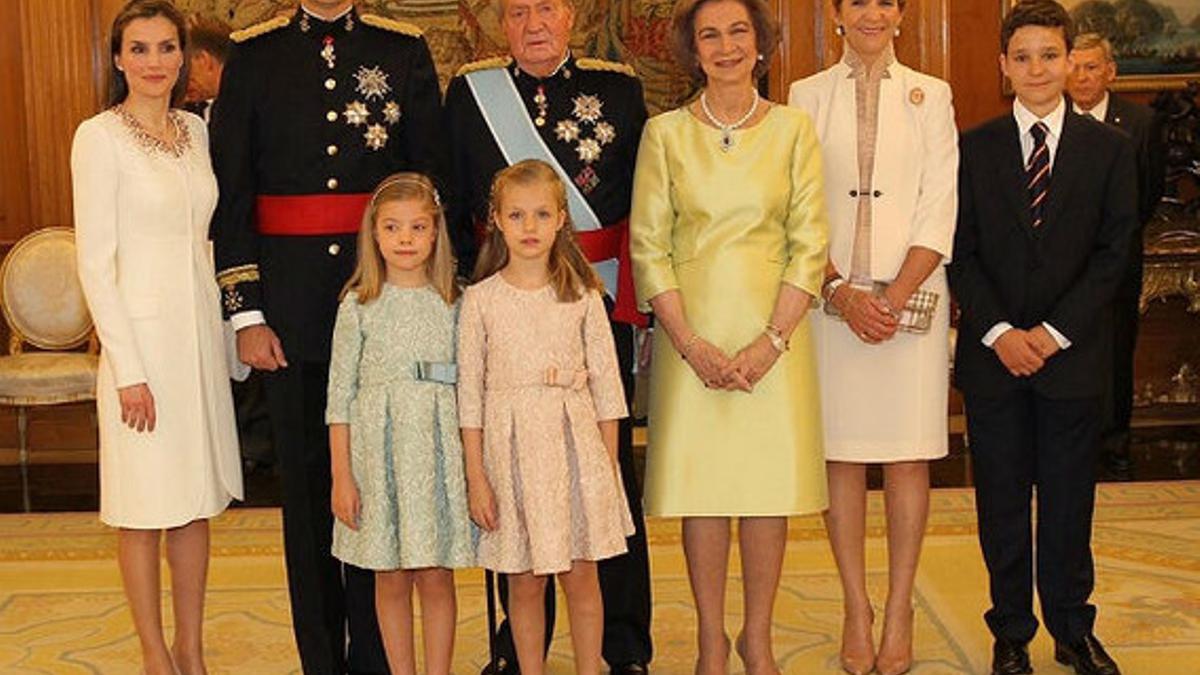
1088	85
209	39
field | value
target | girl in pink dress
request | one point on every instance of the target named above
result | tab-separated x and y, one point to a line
539	398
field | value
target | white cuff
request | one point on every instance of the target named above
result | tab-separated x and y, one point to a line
990	337
1061	339
252	317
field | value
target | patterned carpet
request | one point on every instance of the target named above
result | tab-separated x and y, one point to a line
62	612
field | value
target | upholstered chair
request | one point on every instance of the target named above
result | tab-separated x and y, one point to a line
44	307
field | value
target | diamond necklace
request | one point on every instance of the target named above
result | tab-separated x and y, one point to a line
727	129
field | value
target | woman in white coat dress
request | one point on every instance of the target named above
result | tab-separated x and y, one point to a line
144	192
890	154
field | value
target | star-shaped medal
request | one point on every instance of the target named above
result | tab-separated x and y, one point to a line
605	133
372	82
391	112
566	130
589	150
356	113
376	136
587	108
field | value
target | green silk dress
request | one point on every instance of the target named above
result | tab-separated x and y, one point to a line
725	229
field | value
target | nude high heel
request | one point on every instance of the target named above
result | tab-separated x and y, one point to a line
859	662
889	663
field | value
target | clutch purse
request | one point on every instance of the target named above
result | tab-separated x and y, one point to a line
918	312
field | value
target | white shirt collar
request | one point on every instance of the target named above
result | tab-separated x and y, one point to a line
1026	119
1099	111
330	19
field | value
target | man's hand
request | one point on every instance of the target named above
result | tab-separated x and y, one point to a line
1044	342
1017	352
259	347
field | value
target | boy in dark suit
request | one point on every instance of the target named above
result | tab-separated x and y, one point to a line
1047	206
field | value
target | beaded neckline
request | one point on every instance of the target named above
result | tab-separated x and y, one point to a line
151	143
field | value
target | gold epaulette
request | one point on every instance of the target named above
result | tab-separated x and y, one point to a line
260	28
401	27
611	66
485	64
236	275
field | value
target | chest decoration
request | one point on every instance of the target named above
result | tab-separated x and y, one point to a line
587	130
372	86
327	52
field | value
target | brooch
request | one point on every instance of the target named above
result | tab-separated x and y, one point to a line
917	96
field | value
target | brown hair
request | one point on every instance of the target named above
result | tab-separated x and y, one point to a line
683	36
837	4
570	272
370	272
118	87
210	35
1045	13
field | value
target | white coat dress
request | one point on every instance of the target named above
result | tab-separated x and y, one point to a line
141	228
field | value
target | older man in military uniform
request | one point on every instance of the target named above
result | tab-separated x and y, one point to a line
314	110
585	117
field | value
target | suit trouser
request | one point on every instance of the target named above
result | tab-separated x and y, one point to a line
327	596
1021	441
625	579
1118	402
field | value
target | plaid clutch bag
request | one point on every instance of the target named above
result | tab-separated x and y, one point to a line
917	316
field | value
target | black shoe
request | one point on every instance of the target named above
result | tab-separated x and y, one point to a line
1010	658
500	666
631	668
1086	656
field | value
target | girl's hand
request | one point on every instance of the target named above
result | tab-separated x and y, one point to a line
345	501
753	362
482	503
137	407
868	316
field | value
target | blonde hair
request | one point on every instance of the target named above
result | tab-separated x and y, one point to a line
570	272
370	272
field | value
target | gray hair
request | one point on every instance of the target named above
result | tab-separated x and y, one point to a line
1094	40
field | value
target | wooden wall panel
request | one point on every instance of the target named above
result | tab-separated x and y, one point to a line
59	40
14	174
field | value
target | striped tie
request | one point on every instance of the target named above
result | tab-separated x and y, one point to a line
1038	172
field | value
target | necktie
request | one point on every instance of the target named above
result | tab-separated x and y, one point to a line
1038	173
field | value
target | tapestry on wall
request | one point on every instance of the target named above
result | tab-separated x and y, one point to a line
459	31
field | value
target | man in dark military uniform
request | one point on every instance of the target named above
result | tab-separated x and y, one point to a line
586	116
314	110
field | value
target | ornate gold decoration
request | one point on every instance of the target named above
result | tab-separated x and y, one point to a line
587	108
566	130
376	136
588	63
152	143
589	150
402	27
391	112
372	82
259	29
1162	280
605	133
485	64
235	275
356	113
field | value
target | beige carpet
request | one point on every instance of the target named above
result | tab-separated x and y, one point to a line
62	612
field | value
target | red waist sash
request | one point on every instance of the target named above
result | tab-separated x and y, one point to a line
613	242
307	215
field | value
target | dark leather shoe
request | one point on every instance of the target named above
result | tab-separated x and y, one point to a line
631	668
1010	658
500	666
1087	657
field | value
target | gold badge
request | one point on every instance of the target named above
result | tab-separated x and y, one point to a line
917	96
605	133
391	112
356	113
566	130
372	82
589	150
587	108
376	137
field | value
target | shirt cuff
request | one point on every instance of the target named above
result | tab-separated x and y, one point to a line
1061	339
990	337
246	319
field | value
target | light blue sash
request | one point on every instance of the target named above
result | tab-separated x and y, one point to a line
518	139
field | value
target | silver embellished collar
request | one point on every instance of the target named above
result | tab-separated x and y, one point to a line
152	143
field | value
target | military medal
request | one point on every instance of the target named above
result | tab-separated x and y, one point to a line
327	51
589	150
356	113
587	108
605	133
727	129
304	22
566	130
391	112
372	82
540	99
376	136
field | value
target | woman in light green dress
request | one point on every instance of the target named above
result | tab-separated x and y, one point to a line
728	244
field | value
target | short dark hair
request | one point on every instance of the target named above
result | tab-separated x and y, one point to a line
1045	13
837	4
118	86
209	34
683	35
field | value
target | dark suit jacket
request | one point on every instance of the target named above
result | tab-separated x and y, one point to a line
1145	128
1064	273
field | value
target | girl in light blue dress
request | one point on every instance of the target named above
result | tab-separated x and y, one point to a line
399	492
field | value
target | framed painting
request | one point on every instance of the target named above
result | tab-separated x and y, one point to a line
1156	43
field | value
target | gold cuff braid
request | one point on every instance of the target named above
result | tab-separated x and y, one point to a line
236	275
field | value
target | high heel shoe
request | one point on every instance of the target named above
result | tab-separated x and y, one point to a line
889	663
739	646
862	661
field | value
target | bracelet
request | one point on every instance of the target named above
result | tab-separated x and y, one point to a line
687	346
830	288
776	337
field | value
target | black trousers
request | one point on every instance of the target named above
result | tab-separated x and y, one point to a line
1118	400
1022	441
328	597
625	579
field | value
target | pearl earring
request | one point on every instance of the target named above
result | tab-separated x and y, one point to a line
840	30
897	32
